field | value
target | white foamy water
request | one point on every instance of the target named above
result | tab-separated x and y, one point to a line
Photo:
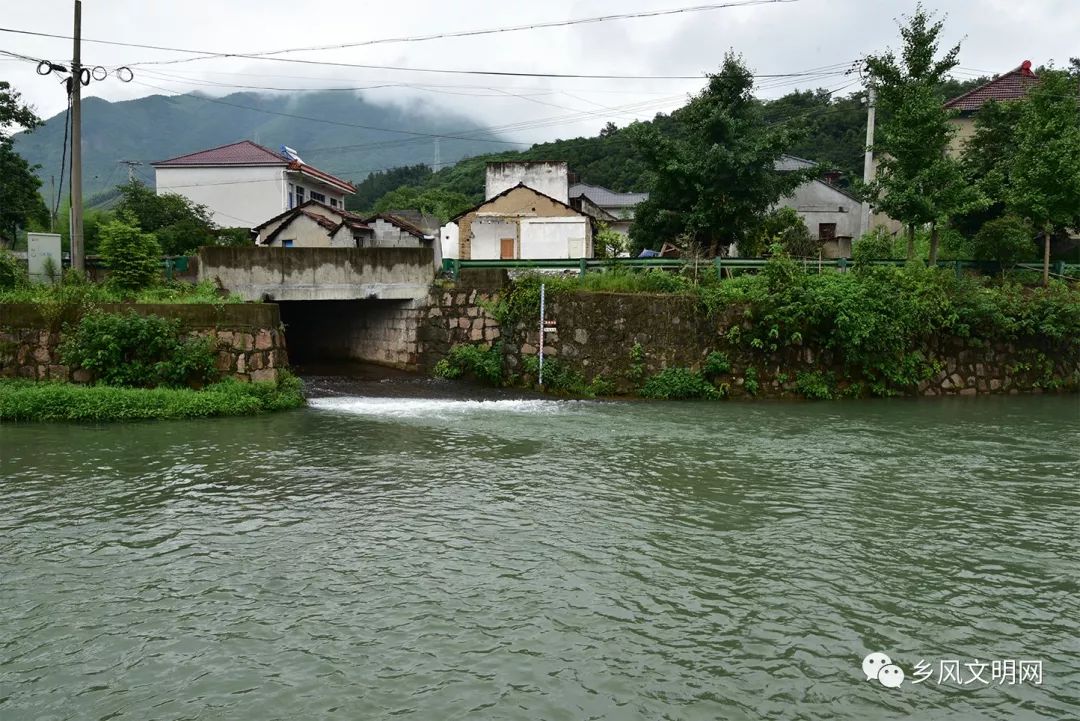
434	407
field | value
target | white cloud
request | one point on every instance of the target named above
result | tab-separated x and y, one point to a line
789	37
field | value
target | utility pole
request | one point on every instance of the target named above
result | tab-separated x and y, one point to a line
78	262
868	160
131	165
435	165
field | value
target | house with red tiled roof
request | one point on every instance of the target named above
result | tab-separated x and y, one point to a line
243	184
313	224
1013	85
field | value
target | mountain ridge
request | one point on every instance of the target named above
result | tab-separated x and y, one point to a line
321	126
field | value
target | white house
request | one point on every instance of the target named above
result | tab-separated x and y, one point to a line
244	183
314	225
832	214
525	216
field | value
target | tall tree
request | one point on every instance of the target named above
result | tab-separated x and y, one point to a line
20	202
917	181
179	225
713	178
1045	169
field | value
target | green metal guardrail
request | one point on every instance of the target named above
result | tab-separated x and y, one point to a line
584	265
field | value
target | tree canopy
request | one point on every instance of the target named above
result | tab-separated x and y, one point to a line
917	181
1044	169
21	204
179	225
714	179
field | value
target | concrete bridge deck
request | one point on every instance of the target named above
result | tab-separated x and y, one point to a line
291	274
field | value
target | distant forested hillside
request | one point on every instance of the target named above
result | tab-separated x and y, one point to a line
322	126
834	135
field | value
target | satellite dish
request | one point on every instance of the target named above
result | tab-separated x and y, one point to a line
291	154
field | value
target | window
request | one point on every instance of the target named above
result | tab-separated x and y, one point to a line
290	206
299	195
826	231
318	196
287	243
333	202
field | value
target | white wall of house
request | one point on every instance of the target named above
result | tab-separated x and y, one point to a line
302	188
488	234
449	235
549	178
236	196
388	235
554	238
817	202
306	233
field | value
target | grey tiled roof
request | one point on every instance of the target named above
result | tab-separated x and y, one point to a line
606	198
791	162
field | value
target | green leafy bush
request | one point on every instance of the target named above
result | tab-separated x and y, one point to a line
1007	240
560	378
816	385
678	384
132	256
480	362
138	351
750	381
60	402
12	273
877	244
716	364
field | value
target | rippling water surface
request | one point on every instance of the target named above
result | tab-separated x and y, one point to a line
439	558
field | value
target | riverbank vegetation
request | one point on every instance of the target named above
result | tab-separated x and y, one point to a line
878	322
22	400
137	367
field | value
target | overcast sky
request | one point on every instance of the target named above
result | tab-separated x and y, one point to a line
777	38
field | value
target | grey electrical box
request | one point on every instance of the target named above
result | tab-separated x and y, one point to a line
43	257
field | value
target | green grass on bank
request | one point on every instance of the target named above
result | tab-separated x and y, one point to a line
78	292
22	400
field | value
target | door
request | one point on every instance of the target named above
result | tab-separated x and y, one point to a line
506	249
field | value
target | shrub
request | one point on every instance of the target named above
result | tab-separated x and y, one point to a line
678	384
464	360
12	273
878	244
750	381
132	256
58	402
815	385
716	364
560	378
137	351
1007	240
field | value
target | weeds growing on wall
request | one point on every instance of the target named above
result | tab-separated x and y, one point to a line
59	402
678	384
138	351
561	378
482	363
879	323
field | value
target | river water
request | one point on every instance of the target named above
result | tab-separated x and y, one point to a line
397	550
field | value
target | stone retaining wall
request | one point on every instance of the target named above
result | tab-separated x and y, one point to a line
249	338
596	333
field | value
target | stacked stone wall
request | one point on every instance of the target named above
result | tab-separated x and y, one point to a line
249	339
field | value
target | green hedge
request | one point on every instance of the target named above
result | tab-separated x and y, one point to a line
22	400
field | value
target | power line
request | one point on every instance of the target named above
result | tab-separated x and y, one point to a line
270	55
63	159
492	31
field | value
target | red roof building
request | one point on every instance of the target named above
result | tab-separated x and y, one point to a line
244	183
1012	85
